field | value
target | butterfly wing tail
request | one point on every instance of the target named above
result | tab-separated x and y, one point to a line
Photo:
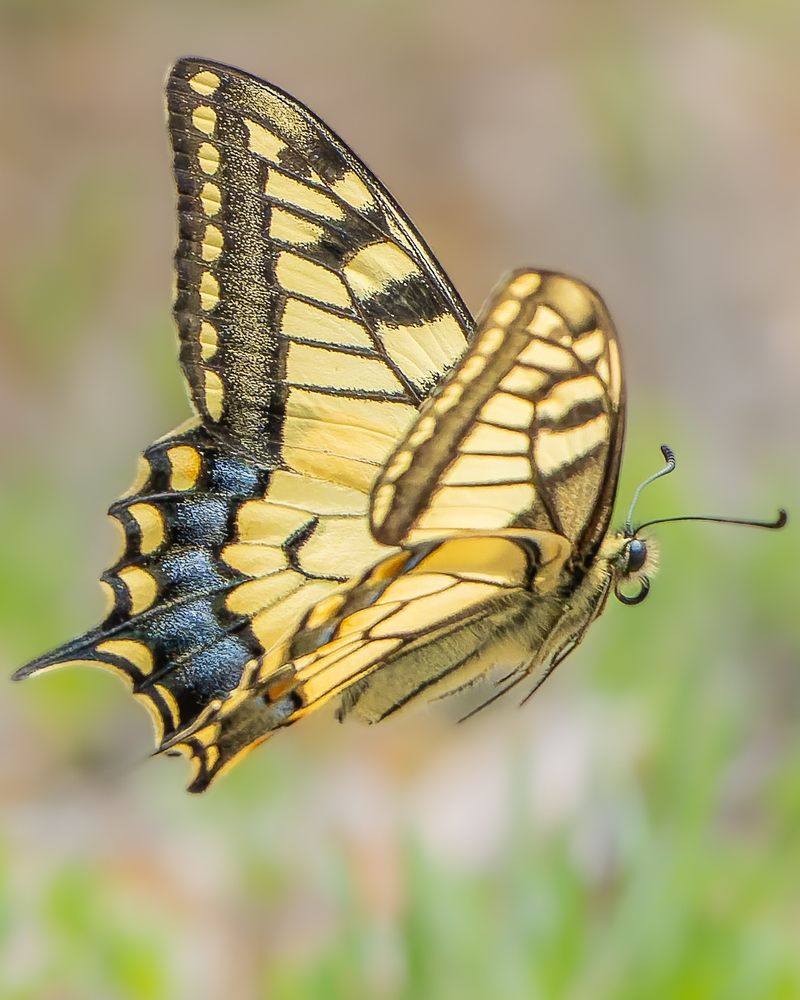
79	650
167	632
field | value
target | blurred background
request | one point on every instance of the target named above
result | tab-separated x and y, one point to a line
635	830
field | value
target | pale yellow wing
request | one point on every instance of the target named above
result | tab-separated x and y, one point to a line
522	439
526	431
422	622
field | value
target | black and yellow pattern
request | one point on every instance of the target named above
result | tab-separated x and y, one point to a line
313	321
367	505
500	496
527	432
301	285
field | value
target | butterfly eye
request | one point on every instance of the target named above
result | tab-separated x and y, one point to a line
637	556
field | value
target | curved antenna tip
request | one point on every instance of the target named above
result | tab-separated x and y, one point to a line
781	520
669	455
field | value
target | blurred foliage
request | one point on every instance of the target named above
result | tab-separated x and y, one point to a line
56	288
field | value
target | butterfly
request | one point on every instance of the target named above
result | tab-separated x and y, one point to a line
377	499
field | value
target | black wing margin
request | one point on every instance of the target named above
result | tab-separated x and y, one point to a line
291	257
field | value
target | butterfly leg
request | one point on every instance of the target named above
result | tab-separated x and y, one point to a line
559	657
514	677
573	640
518	675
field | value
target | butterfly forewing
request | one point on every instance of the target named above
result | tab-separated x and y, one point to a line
526	431
300	283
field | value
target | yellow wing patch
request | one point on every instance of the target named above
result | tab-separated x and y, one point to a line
294	258
524	431
393	635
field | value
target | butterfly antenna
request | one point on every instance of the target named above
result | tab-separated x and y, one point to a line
669	455
779	521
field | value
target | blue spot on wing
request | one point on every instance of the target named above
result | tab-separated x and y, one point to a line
190	572
185	628
234	477
199	647
200	520
212	672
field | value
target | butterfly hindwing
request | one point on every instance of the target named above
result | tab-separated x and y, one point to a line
167	630
446	613
423	622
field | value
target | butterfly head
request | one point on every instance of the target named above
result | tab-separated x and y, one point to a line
637	557
635	564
